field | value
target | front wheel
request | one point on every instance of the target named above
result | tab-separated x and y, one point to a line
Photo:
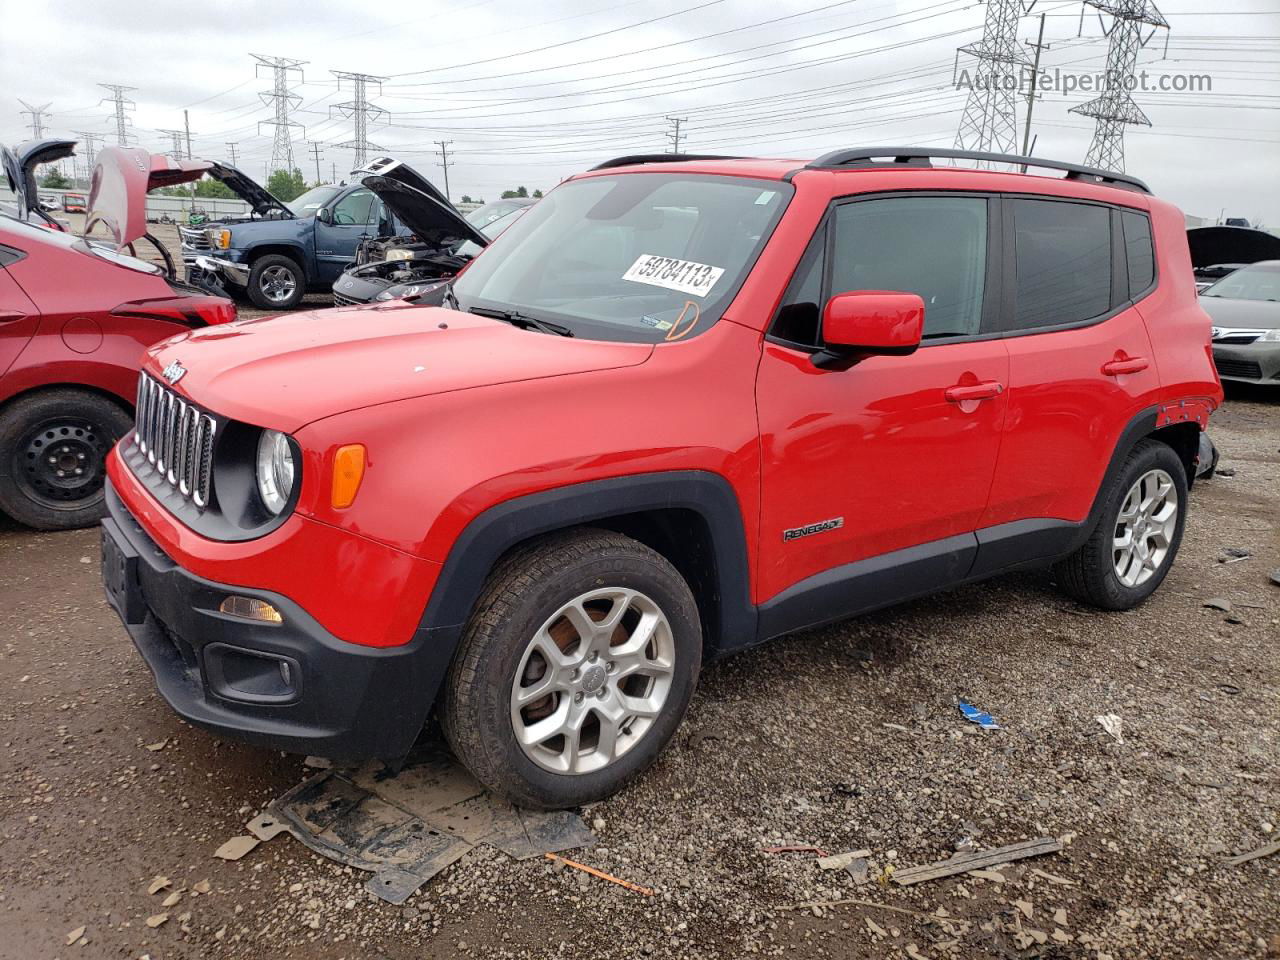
276	282
574	671
1130	551
53	449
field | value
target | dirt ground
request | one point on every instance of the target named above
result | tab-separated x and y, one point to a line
842	738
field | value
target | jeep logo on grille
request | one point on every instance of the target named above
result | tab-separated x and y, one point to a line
174	372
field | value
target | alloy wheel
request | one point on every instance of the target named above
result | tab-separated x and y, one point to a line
277	284
592	681
1145	528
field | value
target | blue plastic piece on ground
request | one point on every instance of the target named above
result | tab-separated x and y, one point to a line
985	720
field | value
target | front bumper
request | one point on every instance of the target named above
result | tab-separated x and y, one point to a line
1248	362
208	272
290	686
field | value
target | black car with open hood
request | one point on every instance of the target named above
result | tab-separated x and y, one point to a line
443	240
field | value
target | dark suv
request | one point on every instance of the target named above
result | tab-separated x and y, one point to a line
681	406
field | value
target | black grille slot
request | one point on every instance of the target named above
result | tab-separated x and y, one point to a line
177	440
1247	369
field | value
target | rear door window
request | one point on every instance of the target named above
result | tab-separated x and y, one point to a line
1062	262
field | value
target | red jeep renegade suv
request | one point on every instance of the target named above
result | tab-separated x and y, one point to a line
685	404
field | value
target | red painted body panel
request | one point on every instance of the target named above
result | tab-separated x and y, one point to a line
459	413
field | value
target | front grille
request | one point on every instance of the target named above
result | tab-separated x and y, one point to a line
194	239
1248	369
177	440
340	301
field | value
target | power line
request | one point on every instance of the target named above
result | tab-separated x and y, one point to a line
122	104
316	153
283	100
231	148
37	115
359	110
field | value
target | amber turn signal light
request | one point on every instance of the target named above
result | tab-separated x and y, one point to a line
348	471
250	608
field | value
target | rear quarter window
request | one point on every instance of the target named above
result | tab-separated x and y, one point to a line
1139	254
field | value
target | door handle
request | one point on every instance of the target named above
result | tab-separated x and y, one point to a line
10	316
974	391
1114	368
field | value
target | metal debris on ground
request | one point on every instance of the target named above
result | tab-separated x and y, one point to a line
635	887
964	862
1218	603
974	715
235	848
407	827
1111	723
1266	851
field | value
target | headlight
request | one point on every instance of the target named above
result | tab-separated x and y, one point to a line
398	253
404	291
275	470
221	239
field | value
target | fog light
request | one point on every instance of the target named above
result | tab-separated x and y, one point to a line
250	608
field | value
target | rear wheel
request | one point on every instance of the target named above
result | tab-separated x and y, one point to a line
53	448
1136	540
276	282
574	671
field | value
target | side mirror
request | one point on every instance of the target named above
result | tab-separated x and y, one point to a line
869	322
324	216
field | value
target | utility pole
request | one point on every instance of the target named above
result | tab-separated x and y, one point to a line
122	103
359	110
37	115
186	125
231	148
674	135
333	171
444	162
314	147
1038	46
283	101
1115	107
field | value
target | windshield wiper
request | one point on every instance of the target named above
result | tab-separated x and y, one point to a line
523	321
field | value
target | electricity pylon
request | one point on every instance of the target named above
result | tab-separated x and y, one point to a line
989	123
122	103
283	101
360	111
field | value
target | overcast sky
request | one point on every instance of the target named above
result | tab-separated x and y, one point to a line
530	93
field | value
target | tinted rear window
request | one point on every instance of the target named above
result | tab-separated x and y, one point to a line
1063	262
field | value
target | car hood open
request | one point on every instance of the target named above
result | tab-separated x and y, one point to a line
287	371
123	176
417	203
1214	245
20	165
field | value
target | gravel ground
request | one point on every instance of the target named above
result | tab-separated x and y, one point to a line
842	738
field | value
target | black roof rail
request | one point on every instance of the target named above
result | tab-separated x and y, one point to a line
921	156
658	158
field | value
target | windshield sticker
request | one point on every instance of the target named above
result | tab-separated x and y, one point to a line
684	276
660	324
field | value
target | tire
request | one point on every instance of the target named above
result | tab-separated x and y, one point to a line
45	438
1105	575
523	600
276	282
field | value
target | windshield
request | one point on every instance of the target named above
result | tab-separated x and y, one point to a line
491	228
1259	282
311	201
496	210
641	257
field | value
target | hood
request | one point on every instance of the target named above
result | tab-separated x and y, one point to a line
417	204
260	201
1242	314
118	191
1220	245
20	169
287	371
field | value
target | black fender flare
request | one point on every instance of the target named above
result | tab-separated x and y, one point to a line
495	531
